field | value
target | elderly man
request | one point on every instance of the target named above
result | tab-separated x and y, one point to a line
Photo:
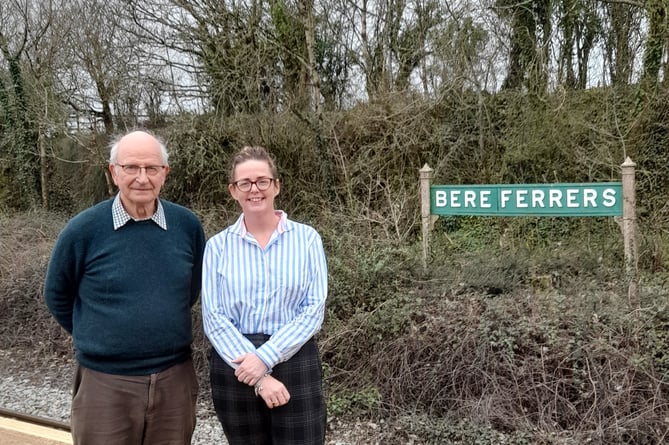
122	279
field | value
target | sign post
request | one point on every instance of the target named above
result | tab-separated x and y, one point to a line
425	213
577	200
630	232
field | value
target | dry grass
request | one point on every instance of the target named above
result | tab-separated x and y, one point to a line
25	323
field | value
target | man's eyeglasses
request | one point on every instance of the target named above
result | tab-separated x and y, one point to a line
244	185
151	170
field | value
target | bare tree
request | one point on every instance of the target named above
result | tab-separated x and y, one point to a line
43	55
226	46
104	79
29	48
622	39
333	55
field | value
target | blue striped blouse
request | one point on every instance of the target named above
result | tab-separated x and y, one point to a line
279	290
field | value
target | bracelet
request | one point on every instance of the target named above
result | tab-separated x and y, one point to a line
257	388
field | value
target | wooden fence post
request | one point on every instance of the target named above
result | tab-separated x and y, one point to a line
426	219
630	233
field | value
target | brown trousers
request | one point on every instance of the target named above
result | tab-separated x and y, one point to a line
157	409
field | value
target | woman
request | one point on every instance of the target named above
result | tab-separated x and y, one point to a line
263	299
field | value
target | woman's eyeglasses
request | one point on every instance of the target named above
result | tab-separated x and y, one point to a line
244	185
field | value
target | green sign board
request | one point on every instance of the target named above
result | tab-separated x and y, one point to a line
593	199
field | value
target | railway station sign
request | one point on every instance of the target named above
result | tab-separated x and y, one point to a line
588	199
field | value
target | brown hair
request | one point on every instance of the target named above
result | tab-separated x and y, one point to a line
255	153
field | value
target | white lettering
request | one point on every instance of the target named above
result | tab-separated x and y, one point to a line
470	198
455	195
485	199
609	196
538	198
505	197
526	198
589	196
520	199
572	194
440	198
555	197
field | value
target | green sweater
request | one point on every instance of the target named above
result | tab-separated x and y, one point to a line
126	295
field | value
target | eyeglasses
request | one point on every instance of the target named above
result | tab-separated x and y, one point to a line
151	170
244	185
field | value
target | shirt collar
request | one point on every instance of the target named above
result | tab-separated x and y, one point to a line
121	216
240	226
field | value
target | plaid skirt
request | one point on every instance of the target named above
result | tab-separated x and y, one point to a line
245	418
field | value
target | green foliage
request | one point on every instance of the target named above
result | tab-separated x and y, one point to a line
200	151
494	272
653	334
332	61
19	139
5	186
353	403
290	38
377	148
76	176
201	148
364	275
462	432
465	234
652	158
657	27
554	141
